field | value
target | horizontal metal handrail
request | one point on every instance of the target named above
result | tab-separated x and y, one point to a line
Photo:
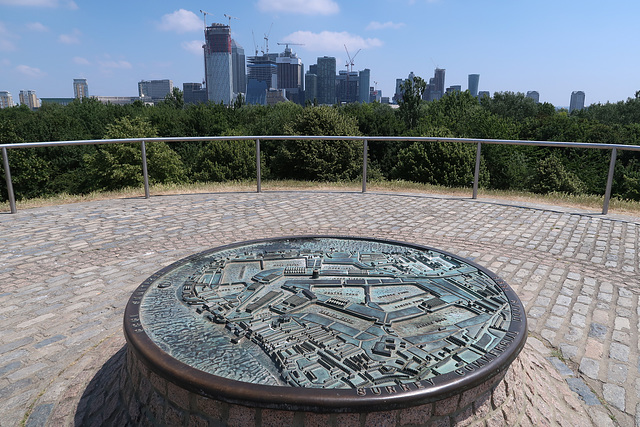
557	144
364	139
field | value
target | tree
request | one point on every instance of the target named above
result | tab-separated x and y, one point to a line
412	90
550	175
30	172
115	166
220	161
509	104
174	99
318	159
439	163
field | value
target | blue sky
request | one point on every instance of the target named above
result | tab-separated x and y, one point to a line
552	46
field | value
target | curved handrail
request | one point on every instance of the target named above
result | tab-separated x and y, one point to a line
364	139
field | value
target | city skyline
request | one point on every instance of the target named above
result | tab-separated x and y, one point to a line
554	50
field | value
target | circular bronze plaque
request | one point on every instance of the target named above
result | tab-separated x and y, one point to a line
325	323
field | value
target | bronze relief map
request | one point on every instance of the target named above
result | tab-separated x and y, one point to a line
331	313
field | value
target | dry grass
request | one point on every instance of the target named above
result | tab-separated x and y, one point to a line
587	202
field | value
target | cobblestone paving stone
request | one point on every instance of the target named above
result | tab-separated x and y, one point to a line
66	273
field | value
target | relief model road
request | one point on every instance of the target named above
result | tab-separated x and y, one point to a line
329	313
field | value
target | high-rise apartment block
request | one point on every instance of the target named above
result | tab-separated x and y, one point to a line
533	94
238	68
435	88
347	86
80	88
364	94
310	87
474	81
6	100
194	93
29	98
326	67
154	90
454	89
290	75
577	100
218	65
262	75
438	79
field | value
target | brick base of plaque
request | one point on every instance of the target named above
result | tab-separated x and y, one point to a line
154	400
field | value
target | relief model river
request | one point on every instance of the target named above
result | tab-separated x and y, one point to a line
330	313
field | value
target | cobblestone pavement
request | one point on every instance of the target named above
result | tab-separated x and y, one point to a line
66	273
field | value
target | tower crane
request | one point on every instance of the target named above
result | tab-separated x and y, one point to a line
255	46
266	38
350	63
286	45
230	17
204	17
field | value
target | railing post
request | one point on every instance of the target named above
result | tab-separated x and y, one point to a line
258	174
7	176
145	174
476	174
365	156
607	192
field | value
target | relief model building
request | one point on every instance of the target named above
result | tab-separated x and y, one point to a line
330	313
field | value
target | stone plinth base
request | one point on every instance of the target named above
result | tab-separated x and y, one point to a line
156	401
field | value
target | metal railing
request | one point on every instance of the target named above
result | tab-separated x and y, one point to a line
365	141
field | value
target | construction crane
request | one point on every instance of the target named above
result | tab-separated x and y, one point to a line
255	46
204	17
350	63
286	45
230	17
266	39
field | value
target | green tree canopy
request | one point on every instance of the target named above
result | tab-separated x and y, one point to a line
114	166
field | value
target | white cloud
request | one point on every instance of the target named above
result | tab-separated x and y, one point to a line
328	41
303	7
73	38
30	71
194	47
375	25
40	3
37	26
81	61
180	21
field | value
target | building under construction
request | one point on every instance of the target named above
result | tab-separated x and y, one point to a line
262	75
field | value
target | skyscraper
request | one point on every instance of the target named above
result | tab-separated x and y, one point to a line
262	75
438	80
29	98
364	94
327	80
194	93
435	88
347	86
290	75
154	90
218	63
310	87
238	67
80	88
533	94
577	100
474	80
6	100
